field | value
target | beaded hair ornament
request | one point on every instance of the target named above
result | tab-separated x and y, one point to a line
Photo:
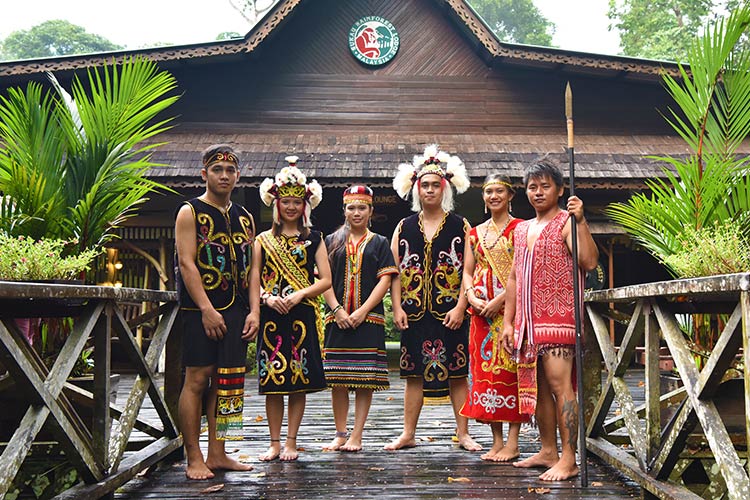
290	182
217	157
450	168
497	182
358	194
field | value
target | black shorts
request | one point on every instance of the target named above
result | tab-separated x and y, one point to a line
199	350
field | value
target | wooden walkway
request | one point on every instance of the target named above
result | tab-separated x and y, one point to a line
436	468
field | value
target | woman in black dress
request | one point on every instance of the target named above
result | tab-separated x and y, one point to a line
362	266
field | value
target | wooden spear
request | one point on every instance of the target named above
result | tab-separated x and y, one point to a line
576	292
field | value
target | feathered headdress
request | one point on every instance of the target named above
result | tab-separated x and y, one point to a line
291	182
433	161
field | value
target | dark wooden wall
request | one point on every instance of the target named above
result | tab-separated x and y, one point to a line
303	79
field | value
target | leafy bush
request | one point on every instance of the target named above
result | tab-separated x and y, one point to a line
23	259
721	248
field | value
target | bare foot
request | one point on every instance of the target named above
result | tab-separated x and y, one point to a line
226	463
289	453
541	459
506	454
401	442
335	444
492	453
353	444
560	472
272	453
198	470
467	443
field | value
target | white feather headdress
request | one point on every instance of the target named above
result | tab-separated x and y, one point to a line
291	182
432	161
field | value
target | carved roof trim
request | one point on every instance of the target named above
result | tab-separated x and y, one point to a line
497	50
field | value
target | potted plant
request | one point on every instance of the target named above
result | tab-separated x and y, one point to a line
696	217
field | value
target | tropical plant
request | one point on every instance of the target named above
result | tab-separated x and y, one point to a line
25	258
73	167
712	184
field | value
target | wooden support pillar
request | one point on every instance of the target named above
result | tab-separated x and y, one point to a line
653	390
102	423
592	370
745	303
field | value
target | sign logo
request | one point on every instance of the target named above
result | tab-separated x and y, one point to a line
373	40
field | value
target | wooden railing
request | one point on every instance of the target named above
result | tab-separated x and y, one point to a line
92	432
698	438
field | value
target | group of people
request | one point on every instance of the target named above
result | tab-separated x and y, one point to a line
512	360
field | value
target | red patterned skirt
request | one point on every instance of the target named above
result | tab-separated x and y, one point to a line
493	384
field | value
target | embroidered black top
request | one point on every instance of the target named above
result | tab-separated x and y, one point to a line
224	256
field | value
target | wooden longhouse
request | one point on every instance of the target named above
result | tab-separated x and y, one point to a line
292	86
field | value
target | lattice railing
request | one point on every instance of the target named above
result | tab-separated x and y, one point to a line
698	451
95	445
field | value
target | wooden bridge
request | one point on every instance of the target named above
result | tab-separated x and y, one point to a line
689	442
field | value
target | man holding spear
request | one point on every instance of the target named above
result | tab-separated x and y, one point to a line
539	325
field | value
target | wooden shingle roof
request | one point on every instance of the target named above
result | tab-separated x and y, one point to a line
615	162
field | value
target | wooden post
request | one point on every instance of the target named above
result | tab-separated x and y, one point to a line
745	301
653	389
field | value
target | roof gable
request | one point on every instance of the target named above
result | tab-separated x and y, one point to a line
474	30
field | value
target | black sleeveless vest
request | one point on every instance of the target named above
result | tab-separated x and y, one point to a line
430	272
224	253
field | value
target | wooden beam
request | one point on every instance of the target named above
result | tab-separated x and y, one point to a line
736	477
622	461
709	286
127	470
745	301
653	384
102	421
676	434
722	355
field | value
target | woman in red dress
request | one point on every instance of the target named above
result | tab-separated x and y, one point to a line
493	384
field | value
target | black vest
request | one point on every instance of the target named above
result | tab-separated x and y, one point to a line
224	253
431	272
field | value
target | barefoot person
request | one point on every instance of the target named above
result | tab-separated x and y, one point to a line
539	323
289	361
355	359
428	303
213	241
493	384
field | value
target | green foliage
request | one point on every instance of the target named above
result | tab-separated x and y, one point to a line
24	258
391	332
717	249
515	21
712	184
228	35
72	167
53	39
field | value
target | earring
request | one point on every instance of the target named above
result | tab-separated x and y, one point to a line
369	222
510	207
485	208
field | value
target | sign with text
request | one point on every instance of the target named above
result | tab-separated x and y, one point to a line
373	40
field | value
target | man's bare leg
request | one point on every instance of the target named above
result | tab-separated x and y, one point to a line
558	371
190	404
362	403
546	416
217	458
340	403
413	393
274	415
459	389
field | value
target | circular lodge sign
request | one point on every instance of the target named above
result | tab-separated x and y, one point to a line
373	40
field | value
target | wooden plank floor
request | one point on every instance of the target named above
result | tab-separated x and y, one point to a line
422	472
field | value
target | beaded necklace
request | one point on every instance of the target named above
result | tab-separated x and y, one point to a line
499	233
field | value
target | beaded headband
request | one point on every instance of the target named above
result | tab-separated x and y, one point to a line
358	194
497	182
217	157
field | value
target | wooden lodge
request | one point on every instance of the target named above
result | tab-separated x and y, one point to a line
292	86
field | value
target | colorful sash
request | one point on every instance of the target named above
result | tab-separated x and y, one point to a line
230	403
293	274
